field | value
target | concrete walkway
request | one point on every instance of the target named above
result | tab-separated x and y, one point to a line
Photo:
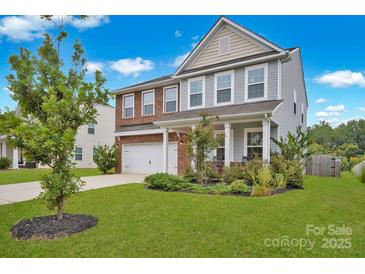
26	191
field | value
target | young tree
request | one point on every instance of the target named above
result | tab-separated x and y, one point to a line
54	104
294	146
105	157
200	143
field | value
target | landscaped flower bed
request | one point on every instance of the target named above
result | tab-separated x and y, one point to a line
253	179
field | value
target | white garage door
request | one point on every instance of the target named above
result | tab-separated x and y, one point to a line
147	158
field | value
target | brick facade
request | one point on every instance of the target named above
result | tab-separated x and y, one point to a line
182	160
138	118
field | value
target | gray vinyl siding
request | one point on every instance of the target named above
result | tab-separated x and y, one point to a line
274	134
238	144
240	46
184	95
272	74
291	75
239	86
209	90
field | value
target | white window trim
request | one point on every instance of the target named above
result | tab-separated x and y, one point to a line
164	100
245	133
82	153
247	69
219	45
142	99
231	72
91	126
231	149
216	133
203	92
123	111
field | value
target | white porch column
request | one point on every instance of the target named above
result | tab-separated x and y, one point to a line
266	140
227	144
194	148
165	150
15	158
3	153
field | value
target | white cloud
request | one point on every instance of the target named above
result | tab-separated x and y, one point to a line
6	89
331	111
196	37
94	66
30	27
133	67
23	28
178	33
179	59
342	78
362	109
337	108
321	100
92	21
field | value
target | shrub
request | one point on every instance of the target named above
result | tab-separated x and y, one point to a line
345	164
231	174
292	170
211	189
362	175
5	163
167	182
239	186
278	181
104	157
264	176
210	176
260	190
251	169
296	176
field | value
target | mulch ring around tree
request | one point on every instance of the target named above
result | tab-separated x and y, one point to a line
49	228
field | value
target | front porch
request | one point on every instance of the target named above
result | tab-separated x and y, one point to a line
9	152
242	139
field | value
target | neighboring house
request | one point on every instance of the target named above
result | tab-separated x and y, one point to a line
7	151
255	87
88	137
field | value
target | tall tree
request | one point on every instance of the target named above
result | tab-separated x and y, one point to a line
54	102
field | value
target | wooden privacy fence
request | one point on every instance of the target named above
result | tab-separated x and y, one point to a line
324	165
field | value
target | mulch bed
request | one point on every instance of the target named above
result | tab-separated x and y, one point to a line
49	228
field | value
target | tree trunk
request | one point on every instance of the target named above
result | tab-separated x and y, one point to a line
60	209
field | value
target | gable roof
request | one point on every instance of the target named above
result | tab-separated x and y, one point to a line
225	21
273	50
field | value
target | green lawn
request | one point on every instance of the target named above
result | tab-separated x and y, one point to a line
28	175
137	222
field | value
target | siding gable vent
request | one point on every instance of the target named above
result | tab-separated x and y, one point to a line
224	45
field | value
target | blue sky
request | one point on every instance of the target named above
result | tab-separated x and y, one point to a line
131	49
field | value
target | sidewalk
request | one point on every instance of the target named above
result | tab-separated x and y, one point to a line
26	191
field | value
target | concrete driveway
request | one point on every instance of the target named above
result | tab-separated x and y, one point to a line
26	191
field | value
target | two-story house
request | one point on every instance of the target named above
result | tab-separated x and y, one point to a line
254	86
87	139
